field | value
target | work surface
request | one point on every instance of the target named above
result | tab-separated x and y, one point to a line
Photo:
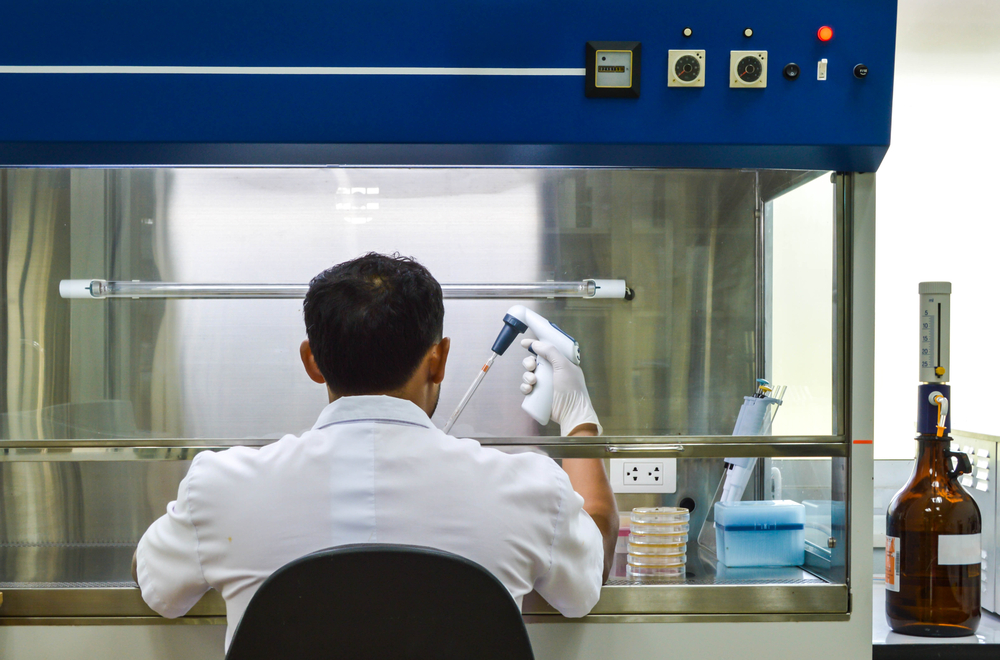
889	645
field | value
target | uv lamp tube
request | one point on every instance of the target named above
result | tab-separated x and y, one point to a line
100	289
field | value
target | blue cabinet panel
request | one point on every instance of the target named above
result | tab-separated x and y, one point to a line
71	116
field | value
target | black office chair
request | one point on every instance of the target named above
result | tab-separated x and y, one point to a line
398	602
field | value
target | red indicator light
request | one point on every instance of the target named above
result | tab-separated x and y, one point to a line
825	33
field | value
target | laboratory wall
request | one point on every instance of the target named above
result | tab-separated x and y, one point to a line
800	265
937	212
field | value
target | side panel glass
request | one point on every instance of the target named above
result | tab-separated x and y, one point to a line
800	290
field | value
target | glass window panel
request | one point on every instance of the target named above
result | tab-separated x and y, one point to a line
676	360
800	283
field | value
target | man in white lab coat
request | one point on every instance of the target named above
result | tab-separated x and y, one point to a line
374	468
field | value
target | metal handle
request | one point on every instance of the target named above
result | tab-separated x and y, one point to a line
624	449
96	289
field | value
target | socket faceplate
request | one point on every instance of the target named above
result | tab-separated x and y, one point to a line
651	475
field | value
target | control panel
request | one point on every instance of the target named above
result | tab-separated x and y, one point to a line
613	67
788	85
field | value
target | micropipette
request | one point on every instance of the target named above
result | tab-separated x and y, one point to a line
762	384
755	418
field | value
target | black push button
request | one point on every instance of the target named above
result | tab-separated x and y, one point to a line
792	71
860	71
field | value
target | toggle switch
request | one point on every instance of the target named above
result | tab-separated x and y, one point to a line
821	69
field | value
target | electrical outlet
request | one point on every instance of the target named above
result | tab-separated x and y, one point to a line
643	474
656	475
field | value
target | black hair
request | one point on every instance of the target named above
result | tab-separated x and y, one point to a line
370	321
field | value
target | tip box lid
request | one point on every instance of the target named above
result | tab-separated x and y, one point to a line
760	515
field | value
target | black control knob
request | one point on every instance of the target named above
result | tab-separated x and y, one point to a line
860	71
792	71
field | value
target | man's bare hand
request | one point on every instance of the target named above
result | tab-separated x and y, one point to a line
590	480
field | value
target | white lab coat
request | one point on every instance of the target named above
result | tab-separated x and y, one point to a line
372	469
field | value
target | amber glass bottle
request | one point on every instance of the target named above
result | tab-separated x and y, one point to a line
933	540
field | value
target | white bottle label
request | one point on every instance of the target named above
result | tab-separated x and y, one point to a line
959	549
892	563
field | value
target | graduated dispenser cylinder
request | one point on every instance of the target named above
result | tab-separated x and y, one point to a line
933	526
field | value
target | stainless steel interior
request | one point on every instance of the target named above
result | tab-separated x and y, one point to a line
103	402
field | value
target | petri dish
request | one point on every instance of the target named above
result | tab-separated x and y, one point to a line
657	550
656	560
648	528
658	539
659	515
642	573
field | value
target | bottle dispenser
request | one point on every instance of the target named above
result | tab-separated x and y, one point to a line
933	526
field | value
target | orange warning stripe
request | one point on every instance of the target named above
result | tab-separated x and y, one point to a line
862	442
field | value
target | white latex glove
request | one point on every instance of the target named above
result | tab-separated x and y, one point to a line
571	404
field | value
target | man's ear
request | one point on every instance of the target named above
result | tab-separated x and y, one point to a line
305	352
439	358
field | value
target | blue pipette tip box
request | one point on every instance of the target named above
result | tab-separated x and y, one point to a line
764	533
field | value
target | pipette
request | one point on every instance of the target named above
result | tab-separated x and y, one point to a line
755	418
468	395
512	327
763	387
518	319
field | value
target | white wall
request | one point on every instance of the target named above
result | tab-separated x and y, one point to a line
802	318
938	214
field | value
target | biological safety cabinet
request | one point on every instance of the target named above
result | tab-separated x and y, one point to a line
720	162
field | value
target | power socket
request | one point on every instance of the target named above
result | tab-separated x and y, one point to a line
654	475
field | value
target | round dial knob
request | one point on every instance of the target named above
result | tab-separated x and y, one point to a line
749	69
687	68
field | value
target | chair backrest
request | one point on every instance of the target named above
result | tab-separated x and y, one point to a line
381	601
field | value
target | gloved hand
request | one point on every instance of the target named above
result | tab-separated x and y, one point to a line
571	405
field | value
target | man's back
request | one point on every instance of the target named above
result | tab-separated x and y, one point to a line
373	469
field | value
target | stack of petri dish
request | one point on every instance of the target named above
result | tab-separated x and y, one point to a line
657	543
